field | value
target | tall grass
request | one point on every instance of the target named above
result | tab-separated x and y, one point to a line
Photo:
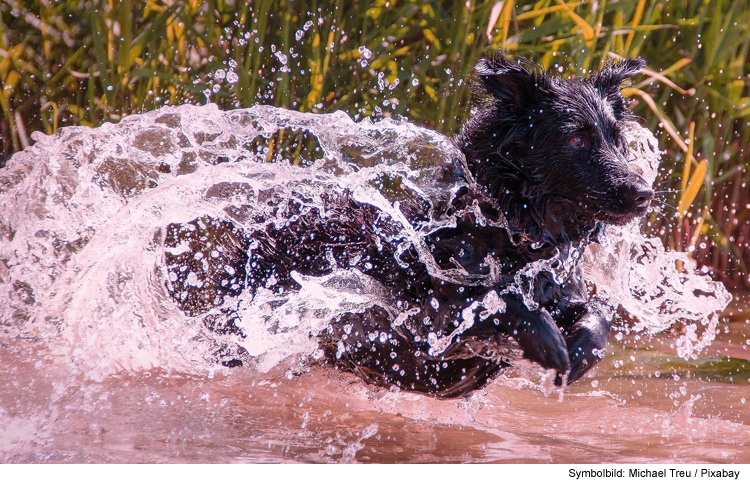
82	63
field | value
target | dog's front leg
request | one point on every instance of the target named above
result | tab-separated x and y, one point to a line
585	321
587	338
537	333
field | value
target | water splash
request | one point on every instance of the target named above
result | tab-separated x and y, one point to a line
89	216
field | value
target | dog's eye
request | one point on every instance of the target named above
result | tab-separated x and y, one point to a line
576	141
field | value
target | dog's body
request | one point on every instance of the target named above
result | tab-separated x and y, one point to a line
550	161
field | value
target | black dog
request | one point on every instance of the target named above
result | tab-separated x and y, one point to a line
550	160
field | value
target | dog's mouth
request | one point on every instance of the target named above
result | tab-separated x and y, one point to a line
620	216
619	209
619	220
627	202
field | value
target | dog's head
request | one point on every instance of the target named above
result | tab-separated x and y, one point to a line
554	138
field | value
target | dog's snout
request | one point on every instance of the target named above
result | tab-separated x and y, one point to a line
636	195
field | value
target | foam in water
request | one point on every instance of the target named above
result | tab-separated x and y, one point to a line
88	217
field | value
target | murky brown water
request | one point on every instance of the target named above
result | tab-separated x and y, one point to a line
641	404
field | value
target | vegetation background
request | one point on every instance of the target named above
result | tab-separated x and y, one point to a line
82	62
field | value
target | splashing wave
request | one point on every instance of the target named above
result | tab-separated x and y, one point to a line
91	218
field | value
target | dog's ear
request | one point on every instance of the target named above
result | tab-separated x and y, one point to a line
611	77
614	74
509	81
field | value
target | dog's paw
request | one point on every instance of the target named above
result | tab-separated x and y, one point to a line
543	343
585	350
586	347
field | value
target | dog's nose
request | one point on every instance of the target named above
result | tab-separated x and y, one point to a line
636	195
643	194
